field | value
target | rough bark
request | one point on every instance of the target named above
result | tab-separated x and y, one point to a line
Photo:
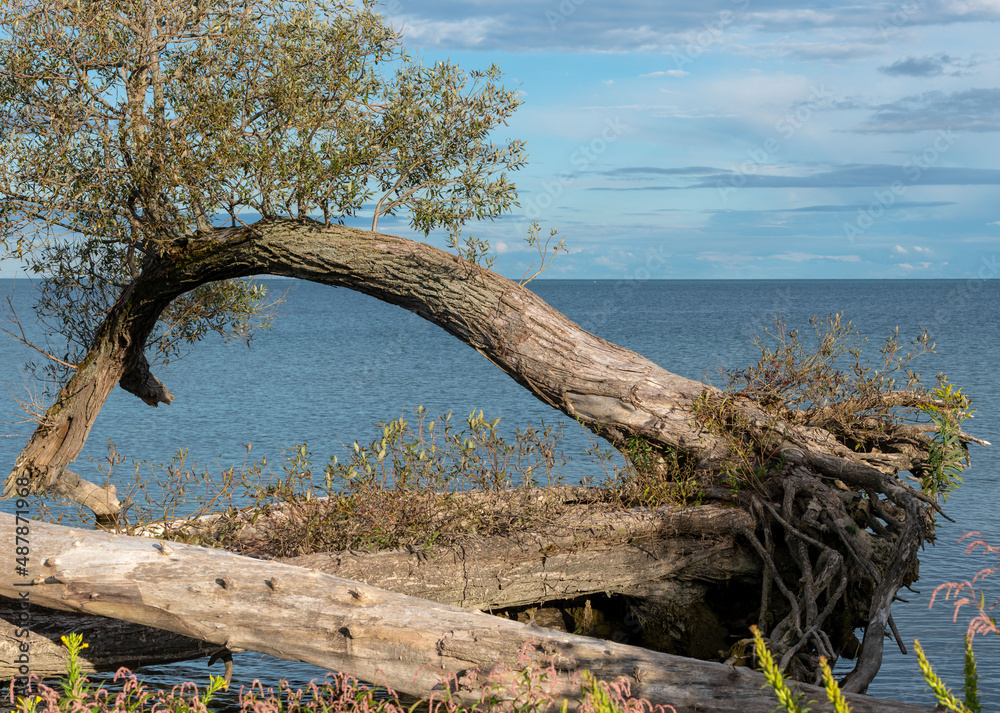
335	623
807	512
638	552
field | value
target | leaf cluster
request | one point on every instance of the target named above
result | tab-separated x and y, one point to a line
128	125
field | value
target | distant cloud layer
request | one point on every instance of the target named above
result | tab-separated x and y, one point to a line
751	138
969	110
841	177
636	25
934	66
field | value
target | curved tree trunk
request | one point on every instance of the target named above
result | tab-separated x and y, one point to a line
605	386
830	512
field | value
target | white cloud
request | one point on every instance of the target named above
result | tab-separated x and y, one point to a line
900	249
995	222
468	32
973	7
726	259
796	18
803	257
668	73
607	261
609	82
919	249
835	49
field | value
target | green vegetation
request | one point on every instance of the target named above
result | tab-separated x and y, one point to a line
823	381
529	689
947	457
421	481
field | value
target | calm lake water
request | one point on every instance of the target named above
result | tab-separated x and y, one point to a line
335	362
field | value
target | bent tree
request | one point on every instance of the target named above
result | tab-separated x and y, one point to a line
157	155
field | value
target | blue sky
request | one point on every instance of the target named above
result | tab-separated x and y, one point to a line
742	139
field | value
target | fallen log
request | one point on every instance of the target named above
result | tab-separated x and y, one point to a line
580	550
648	574
673	554
342	625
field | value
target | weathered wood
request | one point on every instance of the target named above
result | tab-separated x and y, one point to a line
588	549
303	615
583	551
599	383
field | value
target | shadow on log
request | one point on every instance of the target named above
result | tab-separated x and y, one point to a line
112	643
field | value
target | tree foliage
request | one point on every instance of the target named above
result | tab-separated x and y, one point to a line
128	125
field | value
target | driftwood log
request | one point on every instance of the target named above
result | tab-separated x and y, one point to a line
387	638
675	579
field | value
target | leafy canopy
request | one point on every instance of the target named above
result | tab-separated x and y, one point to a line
128	124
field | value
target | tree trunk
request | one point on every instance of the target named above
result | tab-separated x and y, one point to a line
586	377
386	638
637	552
808	528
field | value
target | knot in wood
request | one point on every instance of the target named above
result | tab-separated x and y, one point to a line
226	583
51	562
273	583
165	549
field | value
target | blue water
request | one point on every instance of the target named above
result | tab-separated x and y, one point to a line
336	361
